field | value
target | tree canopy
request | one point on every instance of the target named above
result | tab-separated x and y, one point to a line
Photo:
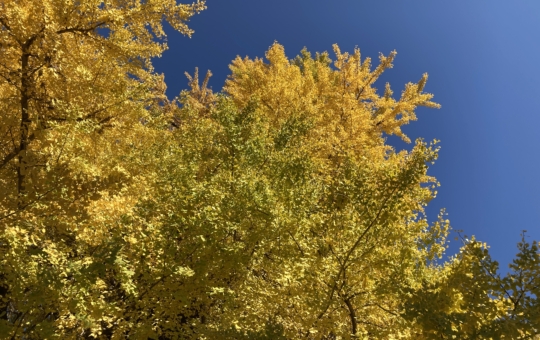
274	209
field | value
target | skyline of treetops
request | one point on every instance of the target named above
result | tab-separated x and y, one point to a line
275	208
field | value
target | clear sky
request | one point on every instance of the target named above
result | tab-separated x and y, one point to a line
483	60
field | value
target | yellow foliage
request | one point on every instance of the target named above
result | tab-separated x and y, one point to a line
274	210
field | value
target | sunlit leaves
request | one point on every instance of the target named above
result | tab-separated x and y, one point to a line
273	210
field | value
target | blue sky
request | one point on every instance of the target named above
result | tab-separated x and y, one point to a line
483	63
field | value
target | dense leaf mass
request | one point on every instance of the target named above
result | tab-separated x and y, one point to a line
272	210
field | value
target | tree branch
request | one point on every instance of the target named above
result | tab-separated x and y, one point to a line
5	24
18	326
351	250
297	244
352	316
80	30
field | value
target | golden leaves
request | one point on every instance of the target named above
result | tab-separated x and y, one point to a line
273	210
324	93
365	202
78	75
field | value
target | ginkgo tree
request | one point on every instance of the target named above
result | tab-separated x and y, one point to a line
76	84
272	210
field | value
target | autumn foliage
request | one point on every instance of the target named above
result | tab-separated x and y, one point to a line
272	210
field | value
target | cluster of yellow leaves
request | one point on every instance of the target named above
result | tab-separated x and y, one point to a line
76	84
274	210
348	209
